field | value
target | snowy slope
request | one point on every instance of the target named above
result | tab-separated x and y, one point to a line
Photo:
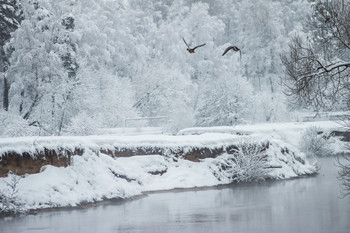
94	177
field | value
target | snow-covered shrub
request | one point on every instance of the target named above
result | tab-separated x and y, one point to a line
228	101
9	202
82	124
15	126
313	143
247	163
343	162
109	100
162	91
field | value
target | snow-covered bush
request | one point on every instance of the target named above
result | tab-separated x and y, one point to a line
165	92
12	125
313	143
228	101
344	163
9	202
82	124
247	163
109	101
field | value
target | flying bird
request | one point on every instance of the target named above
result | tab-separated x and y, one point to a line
234	48
191	50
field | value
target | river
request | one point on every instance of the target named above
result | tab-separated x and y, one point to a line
300	205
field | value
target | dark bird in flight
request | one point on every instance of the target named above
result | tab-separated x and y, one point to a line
191	50
234	48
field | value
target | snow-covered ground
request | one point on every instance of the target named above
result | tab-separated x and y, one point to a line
92	178
286	131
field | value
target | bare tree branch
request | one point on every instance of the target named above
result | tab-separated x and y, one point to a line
317	71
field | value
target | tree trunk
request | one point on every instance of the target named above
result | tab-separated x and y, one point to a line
6	95
35	102
4	88
3	84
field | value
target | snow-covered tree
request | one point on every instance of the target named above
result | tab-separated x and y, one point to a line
318	67
113	60
10	18
228	101
106	52
315	77
166	92
9	202
42	74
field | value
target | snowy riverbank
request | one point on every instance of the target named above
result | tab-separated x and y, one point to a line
91	178
95	175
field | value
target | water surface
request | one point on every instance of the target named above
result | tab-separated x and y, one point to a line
299	205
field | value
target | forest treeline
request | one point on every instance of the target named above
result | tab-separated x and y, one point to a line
72	66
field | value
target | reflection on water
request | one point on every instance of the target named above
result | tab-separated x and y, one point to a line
299	205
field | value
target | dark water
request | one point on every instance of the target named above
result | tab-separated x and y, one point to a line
300	205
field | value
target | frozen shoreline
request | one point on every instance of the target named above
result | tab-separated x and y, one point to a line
94	175
92	178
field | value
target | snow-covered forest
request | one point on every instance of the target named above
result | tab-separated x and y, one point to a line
204	71
71	66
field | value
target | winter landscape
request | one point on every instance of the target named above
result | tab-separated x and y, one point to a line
192	116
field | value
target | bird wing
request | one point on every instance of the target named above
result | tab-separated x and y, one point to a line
227	49
233	48
185	42
198	46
